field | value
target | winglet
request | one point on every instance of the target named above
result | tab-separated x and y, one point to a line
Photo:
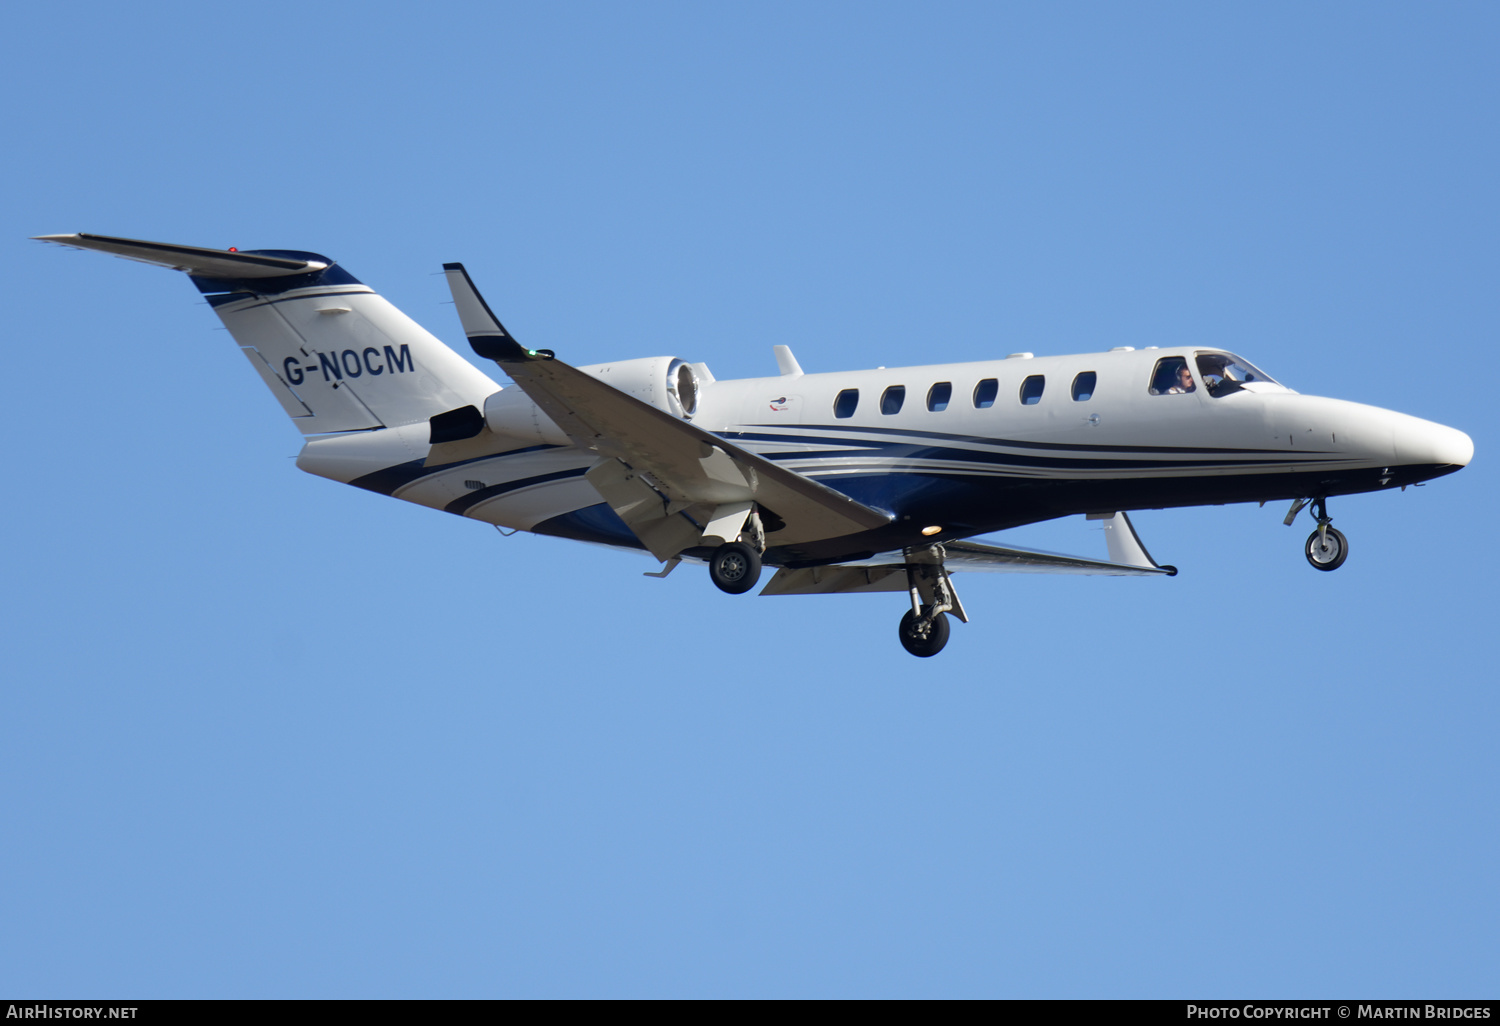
1125	545
486	334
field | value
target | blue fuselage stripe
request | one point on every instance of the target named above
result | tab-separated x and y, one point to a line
915	461
398	476
813	436
464	503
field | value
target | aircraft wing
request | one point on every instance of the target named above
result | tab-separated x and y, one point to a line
693	470
888	573
968	555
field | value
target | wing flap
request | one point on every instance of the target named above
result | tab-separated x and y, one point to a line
829	580
889	573
664	531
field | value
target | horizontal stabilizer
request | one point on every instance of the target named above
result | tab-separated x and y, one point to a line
195	260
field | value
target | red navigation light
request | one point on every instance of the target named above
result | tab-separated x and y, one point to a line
234	249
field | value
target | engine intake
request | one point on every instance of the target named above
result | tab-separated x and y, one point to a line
665	382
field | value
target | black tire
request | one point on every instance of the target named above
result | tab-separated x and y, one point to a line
921	645
734	567
1329	555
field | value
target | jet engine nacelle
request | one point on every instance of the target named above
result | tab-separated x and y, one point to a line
665	382
669	384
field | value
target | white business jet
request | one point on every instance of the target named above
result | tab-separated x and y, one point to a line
855	481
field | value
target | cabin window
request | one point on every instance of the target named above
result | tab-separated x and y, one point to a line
1083	386
847	400
1223	373
1031	389
939	395
985	392
891	399
1172	377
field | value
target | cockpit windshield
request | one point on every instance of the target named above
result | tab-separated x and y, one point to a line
1224	373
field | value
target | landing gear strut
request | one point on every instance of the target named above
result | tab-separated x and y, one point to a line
924	627
1326	548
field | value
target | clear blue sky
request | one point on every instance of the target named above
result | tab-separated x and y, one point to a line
268	736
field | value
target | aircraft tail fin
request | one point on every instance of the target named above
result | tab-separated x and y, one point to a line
337	356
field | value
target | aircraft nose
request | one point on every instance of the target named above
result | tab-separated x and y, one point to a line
1423	442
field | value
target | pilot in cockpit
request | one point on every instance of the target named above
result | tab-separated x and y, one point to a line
1184	382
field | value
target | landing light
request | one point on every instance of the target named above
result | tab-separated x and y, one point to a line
928	532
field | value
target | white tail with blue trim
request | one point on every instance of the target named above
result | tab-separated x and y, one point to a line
337	356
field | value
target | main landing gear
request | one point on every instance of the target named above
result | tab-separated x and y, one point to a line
1326	548
924	627
735	565
923	633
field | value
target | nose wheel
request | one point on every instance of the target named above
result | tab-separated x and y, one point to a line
1326	548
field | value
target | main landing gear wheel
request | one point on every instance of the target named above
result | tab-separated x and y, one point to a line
734	567
923	637
1327	549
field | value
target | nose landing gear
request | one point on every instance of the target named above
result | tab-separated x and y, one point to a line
1326	547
